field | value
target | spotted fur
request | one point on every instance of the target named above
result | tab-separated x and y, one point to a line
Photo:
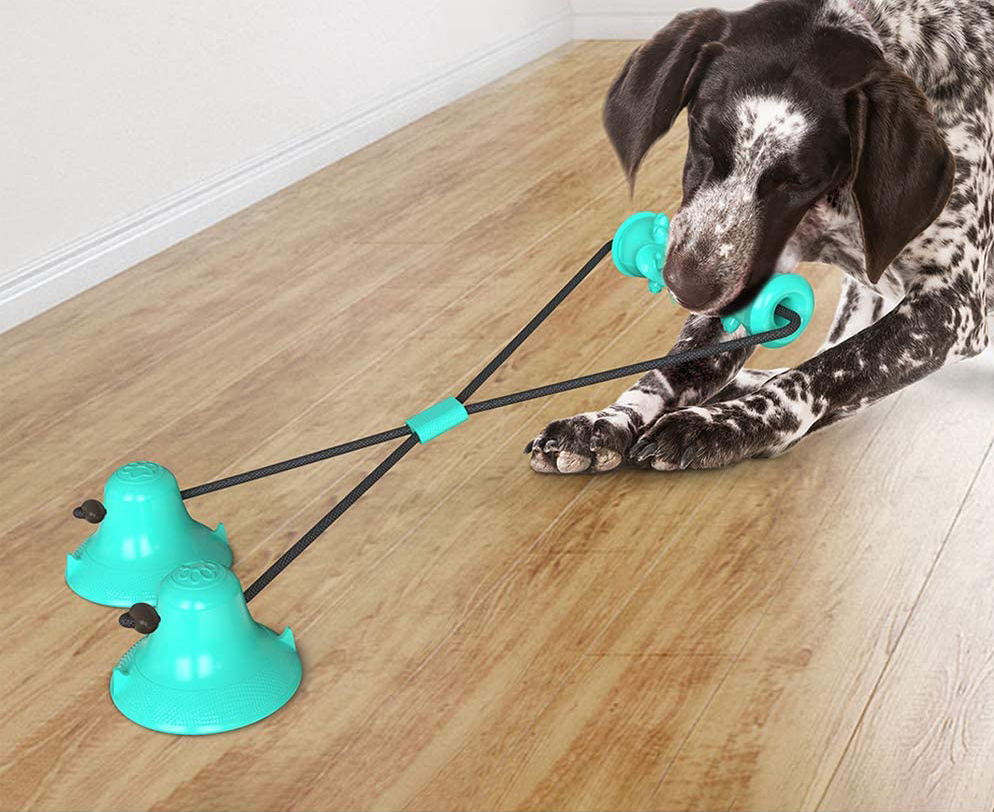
931	305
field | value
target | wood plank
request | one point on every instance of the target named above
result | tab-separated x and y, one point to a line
774	729
924	741
231	428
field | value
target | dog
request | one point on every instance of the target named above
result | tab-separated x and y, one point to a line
853	132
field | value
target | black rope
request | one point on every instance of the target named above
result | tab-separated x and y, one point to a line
530	328
329	518
398	453
696	353
295	462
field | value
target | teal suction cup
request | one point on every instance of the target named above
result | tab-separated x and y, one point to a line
639	247
208	666
144	535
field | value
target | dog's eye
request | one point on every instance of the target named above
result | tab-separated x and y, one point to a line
785	179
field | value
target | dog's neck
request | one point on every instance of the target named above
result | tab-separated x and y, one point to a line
855	15
858	8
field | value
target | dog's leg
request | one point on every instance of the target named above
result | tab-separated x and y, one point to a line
745	382
935	324
858	308
599	441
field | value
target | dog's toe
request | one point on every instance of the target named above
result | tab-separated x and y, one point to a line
570	463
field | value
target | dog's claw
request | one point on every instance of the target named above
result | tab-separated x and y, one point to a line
689	457
646	451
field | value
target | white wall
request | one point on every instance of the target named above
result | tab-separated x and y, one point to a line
634	19
128	125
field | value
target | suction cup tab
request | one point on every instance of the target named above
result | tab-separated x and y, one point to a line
639	247
145	533
208	666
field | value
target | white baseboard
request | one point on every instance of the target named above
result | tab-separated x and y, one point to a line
45	282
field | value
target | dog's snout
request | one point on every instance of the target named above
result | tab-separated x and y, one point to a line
692	289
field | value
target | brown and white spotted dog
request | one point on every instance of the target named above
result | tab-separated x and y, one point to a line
854	132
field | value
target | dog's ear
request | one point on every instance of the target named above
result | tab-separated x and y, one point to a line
902	172
658	81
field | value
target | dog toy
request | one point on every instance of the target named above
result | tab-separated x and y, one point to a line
639	250
144	533
204	664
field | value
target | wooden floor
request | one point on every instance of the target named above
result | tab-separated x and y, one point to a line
811	632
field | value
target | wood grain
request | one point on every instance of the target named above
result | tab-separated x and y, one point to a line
813	630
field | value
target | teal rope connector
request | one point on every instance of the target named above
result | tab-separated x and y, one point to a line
639	250
437	419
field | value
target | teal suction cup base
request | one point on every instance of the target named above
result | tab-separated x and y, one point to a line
209	666
270	685
124	586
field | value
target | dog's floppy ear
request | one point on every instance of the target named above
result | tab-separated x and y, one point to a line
903	171
658	81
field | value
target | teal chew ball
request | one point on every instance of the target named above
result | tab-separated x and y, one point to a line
208	666
639	250
144	535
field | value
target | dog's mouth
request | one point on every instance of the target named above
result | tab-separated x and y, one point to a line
745	295
724	304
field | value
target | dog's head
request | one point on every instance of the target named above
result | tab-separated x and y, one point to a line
783	112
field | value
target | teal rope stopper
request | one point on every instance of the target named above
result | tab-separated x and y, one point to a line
437	419
639	250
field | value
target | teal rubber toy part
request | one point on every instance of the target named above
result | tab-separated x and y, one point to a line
788	289
437	419
639	250
639	247
208	667
146	534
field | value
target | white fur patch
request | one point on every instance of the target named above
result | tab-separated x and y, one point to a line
647	404
770	119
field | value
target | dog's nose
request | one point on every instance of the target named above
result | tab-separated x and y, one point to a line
692	289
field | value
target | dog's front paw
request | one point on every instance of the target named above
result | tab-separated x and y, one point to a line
705	437
593	442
